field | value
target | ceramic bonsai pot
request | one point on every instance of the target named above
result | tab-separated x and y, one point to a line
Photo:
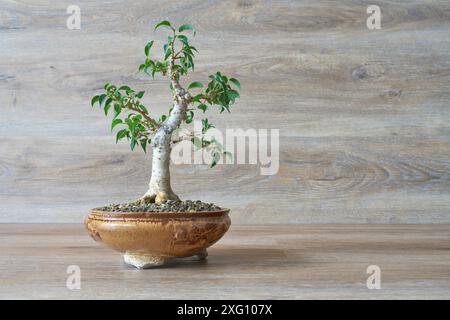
149	239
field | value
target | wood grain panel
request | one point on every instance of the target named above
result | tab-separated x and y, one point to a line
250	262
363	115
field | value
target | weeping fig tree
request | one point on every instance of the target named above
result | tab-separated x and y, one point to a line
135	122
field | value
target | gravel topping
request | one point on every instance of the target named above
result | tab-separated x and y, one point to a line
169	206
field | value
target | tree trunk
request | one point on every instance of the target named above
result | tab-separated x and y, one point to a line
159	186
160	189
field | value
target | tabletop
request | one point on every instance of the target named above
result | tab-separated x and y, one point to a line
333	261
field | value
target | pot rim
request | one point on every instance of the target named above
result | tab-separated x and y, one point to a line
96	214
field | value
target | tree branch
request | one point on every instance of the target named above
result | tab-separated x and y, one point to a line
146	117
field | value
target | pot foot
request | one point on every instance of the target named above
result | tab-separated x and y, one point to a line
143	261
202	255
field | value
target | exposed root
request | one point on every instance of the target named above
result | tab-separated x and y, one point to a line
148	198
160	197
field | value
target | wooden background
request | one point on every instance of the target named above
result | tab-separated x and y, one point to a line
363	114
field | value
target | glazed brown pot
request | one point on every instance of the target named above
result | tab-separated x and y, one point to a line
149	239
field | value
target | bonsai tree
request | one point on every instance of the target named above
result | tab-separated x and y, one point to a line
141	128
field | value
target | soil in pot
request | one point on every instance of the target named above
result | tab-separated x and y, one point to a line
170	206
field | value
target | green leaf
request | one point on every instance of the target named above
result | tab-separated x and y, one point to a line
146	72
107	105
236	82
206	143
185	27
189	116
117	110
107	85
195	85
130	123
191	63
126	88
115	122
144	145
121	134
147	48
206	125
197	142
142	67
133	143
163	23
143	108
203	107
225	107
101	99
149	62
94	100
233	94
187	51
140	94
163	118
168	53
137	118
197	97
216	158
183	39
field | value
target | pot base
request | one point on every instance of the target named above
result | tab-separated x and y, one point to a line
147	261
143	261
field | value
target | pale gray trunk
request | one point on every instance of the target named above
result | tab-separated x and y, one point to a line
160	189
160	180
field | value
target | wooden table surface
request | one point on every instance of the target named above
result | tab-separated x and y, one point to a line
250	262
